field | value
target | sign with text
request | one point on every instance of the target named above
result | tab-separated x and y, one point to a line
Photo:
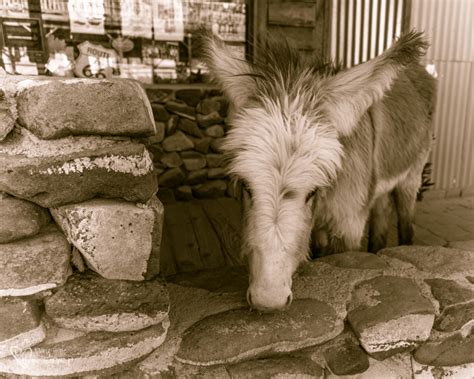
95	61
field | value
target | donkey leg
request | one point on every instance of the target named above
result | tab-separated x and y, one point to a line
348	233
405	199
379	222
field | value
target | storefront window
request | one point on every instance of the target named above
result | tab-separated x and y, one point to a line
148	40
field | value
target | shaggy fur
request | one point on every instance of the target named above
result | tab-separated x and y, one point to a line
319	150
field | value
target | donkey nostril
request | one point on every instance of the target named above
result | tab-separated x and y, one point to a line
289	299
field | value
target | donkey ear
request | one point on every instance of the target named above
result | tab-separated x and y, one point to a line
349	94
230	71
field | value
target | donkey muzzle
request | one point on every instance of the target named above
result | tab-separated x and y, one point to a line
268	301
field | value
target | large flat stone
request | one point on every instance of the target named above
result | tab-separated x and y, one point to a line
436	260
389	315
90	303
71	353
115	237
20	325
453	350
277	367
57	108
34	264
20	218
74	169
239	334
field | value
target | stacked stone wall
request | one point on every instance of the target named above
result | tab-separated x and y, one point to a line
80	227
191	124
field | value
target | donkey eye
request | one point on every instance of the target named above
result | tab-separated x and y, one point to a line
246	187
311	194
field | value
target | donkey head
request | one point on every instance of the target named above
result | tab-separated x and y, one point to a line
288	115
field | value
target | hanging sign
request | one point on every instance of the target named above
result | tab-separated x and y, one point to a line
95	61
168	20
137	18
86	16
122	45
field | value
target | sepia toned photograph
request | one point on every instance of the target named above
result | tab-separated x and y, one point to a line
236	189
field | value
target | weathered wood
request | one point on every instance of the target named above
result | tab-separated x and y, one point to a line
183	244
209	246
225	227
301	38
167	263
292	14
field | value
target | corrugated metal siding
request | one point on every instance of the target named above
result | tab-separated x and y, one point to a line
449	27
362	29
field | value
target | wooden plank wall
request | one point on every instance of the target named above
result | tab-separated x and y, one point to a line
305	23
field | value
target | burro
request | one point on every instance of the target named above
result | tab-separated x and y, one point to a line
321	151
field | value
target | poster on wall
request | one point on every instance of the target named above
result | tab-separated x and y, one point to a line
168	20
137	18
86	16
14	8
227	20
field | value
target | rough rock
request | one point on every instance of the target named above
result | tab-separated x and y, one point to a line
160	113
57	108
455	317
207	120
436	260
160	128
20	218
20	325
34	264
217	173
7	120
278	367
115	237
189	127
90	303
395	367
389	315
184	193
193	160
355	260
171	178
210	189
334	284
190	302
202	144
181	109
214	160
73	169
172	125
157	152
209	105
71	353
453	350
159	95
215	131
216	145
196	177
448	292
177	142
240	334
171	160
344	356
190	96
